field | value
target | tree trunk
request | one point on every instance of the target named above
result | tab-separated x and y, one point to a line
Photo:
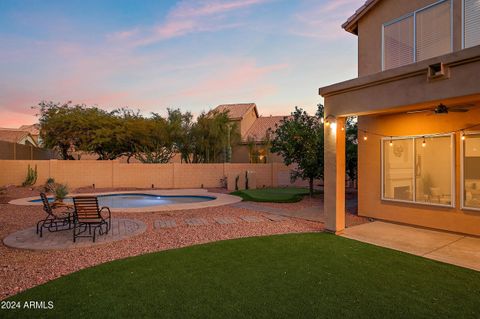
310	182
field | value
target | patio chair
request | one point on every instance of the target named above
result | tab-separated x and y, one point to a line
55	221
87	216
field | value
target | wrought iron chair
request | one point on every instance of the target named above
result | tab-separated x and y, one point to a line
55	221
87	216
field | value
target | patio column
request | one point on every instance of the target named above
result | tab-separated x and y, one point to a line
334	176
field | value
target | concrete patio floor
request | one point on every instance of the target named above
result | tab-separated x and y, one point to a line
447	247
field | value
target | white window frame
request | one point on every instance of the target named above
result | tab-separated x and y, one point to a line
414	154
463	25
414	14
462	173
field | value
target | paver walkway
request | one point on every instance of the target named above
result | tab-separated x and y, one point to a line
451	248
162	223
28	239
313	213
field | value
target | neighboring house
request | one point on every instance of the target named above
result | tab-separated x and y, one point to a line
17	136
34	131
417	99
253	129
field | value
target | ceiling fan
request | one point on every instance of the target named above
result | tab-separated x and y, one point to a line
443	109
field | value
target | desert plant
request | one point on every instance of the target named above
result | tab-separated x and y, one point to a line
50	185
246	179
224	182
31	178
60	191
236	182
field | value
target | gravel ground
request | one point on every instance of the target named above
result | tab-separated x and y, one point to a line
23	269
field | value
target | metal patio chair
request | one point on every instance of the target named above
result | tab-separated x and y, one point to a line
88	217
55	221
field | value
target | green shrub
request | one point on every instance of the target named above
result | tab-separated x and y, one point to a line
31	178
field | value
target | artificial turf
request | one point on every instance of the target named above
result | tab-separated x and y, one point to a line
288	276
273	195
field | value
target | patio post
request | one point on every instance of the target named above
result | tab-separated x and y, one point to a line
334	175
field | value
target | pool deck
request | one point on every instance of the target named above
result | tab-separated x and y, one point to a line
220	200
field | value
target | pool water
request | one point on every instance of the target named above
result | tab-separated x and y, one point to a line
142	200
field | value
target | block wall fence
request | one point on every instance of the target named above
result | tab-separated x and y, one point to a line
113	174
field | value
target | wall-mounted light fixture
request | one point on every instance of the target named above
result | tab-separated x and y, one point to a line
330	120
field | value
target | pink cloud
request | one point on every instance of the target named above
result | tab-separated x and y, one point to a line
323	21
189	17
243	77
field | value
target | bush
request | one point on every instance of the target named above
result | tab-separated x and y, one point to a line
31	178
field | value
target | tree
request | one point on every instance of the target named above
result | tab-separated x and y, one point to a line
299	140
158	146
61	126
351	148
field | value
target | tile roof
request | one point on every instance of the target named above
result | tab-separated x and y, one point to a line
259	128
33	129
12	135
236	111
351	24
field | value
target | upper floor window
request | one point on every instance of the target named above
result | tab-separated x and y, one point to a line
420	35
471	23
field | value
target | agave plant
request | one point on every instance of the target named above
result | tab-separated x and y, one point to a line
60	191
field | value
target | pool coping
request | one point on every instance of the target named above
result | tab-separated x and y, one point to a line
219	200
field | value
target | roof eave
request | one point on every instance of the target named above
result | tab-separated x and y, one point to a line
351	25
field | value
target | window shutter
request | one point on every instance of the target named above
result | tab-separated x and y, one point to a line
472	23
433	31
398	43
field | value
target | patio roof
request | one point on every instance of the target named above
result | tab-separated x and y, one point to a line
406	86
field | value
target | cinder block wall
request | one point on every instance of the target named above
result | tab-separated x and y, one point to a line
107	174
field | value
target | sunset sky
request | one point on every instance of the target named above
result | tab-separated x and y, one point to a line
150	55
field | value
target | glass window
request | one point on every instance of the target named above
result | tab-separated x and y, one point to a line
433	170
471	171
398	43
419	169
398	169
471	31
421	35
433	31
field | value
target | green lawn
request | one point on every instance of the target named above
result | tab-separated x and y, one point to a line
288	276
274	195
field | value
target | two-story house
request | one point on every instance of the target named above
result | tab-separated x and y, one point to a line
254	132
417	98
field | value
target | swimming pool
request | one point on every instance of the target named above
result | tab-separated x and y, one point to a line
134	200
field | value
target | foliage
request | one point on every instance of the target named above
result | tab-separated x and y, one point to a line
71	128
258	150
273	195
351	148
299	140
60	191
314	275
32	175
157	145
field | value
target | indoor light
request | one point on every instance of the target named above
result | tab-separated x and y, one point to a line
333	126
463	135
365	135
424	143
391	141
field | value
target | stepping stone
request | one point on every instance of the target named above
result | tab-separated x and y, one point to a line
196	221
276	218
252	219
225	220
168	223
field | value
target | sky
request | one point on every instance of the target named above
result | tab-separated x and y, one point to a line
187	54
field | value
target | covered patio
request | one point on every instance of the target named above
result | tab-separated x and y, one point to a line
405	115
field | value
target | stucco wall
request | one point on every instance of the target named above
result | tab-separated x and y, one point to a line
247	122
369	171
115	174
370	30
